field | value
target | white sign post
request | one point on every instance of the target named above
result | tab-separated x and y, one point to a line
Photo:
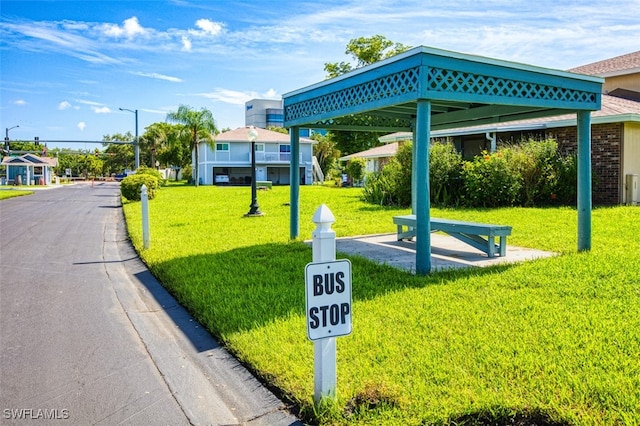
144	202
328	302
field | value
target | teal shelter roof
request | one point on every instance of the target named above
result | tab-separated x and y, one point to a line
426	89
464	90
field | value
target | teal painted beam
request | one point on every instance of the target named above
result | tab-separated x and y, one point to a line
584	180
294	187
423	203
414	172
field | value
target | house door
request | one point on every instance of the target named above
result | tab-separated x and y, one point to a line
261	173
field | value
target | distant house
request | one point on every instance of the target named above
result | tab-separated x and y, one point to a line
376	158
228	162
615	133
29	169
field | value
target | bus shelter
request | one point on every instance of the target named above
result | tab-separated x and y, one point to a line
427	89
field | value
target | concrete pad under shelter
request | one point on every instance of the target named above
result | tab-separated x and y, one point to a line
446	252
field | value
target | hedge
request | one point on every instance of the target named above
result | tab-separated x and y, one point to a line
130	186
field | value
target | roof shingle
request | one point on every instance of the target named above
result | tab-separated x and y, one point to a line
617	65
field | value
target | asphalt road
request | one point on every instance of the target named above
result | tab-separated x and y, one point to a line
88	336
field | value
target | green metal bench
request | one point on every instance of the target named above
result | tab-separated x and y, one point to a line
479	235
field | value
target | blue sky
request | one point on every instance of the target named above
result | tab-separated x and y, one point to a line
66	67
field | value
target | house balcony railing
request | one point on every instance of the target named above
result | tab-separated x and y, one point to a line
261	157
272	157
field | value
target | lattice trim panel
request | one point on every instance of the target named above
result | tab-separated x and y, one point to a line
386	87
444	80
366	121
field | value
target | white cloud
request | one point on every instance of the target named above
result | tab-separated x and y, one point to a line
235	97
64	105
82	101
50	37
207	28
101	110
158	76
186	43
270	94
129	29
20	102
229	96
81	125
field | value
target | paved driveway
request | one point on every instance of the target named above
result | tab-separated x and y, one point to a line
88	336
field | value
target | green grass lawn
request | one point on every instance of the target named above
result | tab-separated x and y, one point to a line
555	340
10	193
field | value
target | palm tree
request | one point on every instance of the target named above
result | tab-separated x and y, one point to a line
155	138
198	125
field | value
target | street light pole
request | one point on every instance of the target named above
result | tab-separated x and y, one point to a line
6	148
136	146
254	210
6	137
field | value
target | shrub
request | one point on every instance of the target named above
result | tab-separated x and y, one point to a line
355	169
391	186
377	189
565	191
144	170
187	173
537	164
445	167
131	185
490	182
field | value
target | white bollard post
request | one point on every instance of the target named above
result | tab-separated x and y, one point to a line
144	198
324	350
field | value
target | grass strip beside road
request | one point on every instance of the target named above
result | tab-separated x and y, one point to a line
552	340
11	193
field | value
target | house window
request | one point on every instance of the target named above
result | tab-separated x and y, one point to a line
285	152
259	147
222	152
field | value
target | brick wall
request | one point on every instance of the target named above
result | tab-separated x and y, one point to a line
606	156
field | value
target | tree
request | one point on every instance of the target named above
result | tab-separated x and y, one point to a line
177	152
365	51
155	139
351	142
278	129
355	169
90	164
325	152
118	156
199	125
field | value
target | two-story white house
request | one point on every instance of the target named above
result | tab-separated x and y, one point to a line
228	160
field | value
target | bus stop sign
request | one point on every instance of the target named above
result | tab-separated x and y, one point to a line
328	294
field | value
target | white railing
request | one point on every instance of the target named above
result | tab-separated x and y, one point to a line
272	157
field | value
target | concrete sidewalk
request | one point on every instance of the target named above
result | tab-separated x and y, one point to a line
446	252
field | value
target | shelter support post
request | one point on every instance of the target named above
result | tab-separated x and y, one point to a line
294	205
423	203
584	180
414	175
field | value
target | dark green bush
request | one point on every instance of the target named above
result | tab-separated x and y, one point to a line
537	163
445	167
144	170
377	189
565	191
356	168
392	185
489	181
131	185
531	173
